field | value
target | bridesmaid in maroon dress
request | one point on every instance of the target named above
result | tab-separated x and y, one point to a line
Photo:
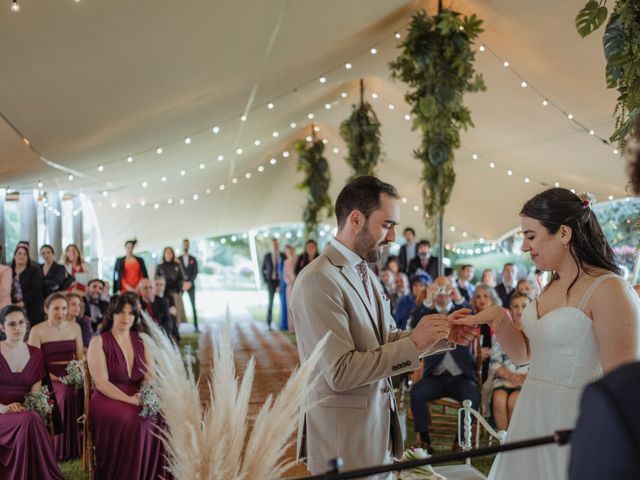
60	342
26	451
125	443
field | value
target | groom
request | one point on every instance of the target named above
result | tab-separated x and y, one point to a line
352	411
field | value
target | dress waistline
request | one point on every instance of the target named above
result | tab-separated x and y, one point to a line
556	386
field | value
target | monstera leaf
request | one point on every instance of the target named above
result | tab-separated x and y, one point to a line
590	18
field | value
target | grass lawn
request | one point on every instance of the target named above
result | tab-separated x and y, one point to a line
73	470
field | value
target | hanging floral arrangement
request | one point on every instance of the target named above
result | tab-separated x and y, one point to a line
436	62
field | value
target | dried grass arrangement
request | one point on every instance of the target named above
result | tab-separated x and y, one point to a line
212	443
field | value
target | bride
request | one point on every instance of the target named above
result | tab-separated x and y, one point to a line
584	322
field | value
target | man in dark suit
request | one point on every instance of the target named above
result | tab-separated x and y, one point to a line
508	283
606	441
190	270
409	250
423	262
95	306
155	306
270	274
451	374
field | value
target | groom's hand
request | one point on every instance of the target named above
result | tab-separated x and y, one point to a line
430	330
460	334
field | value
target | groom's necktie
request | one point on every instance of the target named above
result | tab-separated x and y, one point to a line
364	276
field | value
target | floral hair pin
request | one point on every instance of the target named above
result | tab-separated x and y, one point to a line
587	199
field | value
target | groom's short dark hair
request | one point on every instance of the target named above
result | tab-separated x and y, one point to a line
363	194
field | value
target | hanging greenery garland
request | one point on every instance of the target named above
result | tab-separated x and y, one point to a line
315	182
436	63
620	41
361	133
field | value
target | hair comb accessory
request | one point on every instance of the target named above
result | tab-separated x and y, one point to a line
587	199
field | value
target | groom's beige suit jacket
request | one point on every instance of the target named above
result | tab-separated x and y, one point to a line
351	412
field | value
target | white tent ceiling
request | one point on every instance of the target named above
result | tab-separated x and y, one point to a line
92	82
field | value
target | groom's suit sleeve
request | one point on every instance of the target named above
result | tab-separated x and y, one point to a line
343	366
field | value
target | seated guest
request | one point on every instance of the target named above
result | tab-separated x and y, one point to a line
525	287
80	270
126	444
451	374
393	265
402	284
29	276
75	313
61	342
156	307
389	285
160	285
423	262
483	298
488	278
55	276
95	306
440	295
309	255
26	450
508	377
408	303
464	284
508	283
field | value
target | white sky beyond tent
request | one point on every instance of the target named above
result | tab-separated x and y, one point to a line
91	83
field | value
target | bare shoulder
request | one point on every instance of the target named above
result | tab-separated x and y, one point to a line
96	342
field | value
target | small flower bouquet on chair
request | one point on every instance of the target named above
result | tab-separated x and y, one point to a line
75	374
419	473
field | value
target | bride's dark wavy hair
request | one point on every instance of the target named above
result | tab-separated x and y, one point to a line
588	246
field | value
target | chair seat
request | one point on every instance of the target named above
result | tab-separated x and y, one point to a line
446	402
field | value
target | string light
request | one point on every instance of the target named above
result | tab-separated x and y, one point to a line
348	66
270	105
187	140
215	130
243	118
15	6
100	168
159	150
183	173
293	124
373	50
323	79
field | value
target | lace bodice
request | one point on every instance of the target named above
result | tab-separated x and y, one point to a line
563	344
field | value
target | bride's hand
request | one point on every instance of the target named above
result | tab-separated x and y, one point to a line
460	334
492	316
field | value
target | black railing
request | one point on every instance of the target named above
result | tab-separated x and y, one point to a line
560	437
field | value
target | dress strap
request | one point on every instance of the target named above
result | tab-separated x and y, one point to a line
592	288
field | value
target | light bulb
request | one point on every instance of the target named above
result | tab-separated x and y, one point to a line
215	130
391	106
506	64
374	95
397	35
247	175
145	184
187	141
105	193
309	138
482	48
70	178
163	179
239	151
275	134
261	169
523	84
374	50
243	118
15	6
570	116
196	196
316	128
222	187
323	79
293	124
327	106
285	154
129	159
509	172
234	180
256	143
492	165
220	158
591	132
156	206
273	161
526	180
270	105
159	150
310	116
183	173
202	166
343	94
474	156
336	150
545	103
407	117
100	168
40	184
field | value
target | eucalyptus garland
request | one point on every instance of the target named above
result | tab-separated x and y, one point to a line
621	42
361	133
315	183
437	64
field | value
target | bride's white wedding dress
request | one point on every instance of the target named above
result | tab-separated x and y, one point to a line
564	359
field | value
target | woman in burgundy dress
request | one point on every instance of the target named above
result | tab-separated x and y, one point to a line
26	451
61	342
125	443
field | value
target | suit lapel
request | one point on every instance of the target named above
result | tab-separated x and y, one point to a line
356	282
